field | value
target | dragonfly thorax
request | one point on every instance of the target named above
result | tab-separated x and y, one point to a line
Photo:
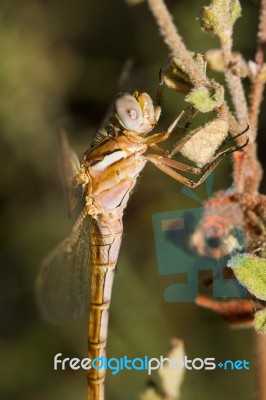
109	172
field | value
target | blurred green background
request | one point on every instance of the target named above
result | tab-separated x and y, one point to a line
60	61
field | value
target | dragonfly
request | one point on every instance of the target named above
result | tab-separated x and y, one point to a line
76	278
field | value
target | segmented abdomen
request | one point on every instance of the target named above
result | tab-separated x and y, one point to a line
105	240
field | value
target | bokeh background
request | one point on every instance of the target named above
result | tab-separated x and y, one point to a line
60	61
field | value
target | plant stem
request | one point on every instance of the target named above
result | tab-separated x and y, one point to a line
233	81
256	98
240	104
175	43
258	83
237	93
235	87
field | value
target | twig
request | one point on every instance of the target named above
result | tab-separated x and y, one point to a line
258	83
237	93
235	312
234	83
236	89
175	43
179	50
248	169
256	97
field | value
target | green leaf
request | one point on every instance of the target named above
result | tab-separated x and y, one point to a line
250	270
260	321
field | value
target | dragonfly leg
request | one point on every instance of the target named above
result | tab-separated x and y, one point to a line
173	129
169	166
160	137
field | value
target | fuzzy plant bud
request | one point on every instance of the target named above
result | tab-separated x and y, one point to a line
175	76
215	62
219	18
250	270
206	99
204	141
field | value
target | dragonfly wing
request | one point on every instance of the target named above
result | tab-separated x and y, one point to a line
69	166
63	282
125	83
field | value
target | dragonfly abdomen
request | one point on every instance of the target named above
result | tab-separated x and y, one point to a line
105	240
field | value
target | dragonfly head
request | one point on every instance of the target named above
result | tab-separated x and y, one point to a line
136	112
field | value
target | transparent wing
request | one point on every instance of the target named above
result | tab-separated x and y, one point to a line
125	83
69	166
63	281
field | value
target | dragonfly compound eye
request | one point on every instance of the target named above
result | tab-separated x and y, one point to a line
147	105
129	112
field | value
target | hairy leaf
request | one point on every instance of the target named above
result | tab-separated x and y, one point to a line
251	272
